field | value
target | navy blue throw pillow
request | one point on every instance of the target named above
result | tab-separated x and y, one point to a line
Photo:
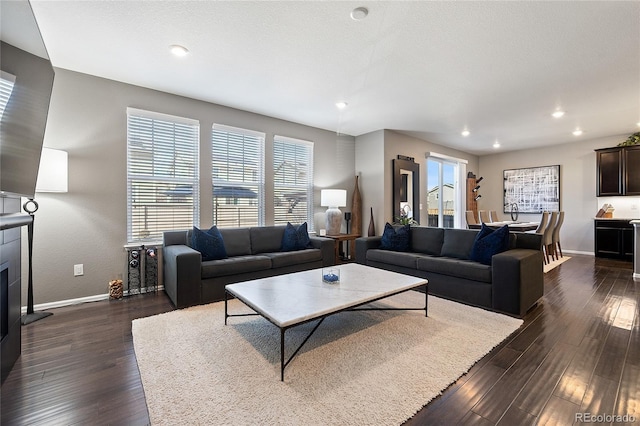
489	242
208	243
295	238
396	239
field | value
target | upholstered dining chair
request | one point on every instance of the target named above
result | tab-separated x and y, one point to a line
493	216
484	216
471	218
543	224
555	237
547	237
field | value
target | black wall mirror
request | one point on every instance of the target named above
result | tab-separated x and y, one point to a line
406	190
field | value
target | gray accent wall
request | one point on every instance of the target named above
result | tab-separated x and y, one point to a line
88	119
374	154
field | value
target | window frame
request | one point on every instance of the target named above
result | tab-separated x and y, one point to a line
189	131
308	186
255	141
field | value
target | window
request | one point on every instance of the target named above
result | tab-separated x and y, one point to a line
162	174
6	87
292	181
445	198
237	176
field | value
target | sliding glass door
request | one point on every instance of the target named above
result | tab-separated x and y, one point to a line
442	188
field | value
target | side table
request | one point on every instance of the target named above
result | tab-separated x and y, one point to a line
341	255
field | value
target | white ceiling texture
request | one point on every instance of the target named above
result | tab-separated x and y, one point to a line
428	69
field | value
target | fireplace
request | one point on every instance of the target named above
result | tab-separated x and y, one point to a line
11	221
4	300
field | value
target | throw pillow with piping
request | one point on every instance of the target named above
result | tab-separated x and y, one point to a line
489	242
295	238
396	239
209	243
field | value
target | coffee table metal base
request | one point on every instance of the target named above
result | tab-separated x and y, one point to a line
283	363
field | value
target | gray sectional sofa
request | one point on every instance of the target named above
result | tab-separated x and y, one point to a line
512	284
252	253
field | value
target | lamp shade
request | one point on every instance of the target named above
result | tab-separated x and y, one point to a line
53	173
333	197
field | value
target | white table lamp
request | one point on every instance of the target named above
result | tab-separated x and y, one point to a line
333	198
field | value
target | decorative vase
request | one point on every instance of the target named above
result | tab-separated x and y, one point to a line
356	210
372	226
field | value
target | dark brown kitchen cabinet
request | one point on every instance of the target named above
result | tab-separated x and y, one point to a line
632	170
618	171
614	239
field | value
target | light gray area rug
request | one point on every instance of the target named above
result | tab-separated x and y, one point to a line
555	263
359	368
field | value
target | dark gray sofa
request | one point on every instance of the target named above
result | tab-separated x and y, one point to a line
252	253
512	284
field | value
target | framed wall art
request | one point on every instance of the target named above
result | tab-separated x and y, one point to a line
533	189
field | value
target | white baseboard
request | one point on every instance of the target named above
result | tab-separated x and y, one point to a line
69	302
636	276
585	253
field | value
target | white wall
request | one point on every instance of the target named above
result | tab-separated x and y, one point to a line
578	199
87	225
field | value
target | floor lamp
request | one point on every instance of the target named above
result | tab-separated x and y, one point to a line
52	177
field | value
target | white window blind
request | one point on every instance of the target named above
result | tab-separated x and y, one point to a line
6	87
237	176
162	174
292	181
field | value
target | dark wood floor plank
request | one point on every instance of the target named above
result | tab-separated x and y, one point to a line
579	349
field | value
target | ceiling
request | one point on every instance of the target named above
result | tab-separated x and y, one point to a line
427	69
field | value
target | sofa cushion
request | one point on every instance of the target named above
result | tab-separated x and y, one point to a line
455	268
209	243
236	241
458	243
396	239
295	238
234	265
398	258
266	239
287	258
427	240
489	242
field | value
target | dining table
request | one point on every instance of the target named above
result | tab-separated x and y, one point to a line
513	226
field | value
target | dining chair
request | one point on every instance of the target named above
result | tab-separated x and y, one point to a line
494	216
484	217
547	238
542	225
555	238
471	218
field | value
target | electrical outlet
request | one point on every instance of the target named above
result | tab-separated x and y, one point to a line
78	270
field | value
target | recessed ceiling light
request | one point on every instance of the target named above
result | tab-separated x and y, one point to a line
341	105
466	133
638	124
577	132
359	13
178	50
496	144
557	113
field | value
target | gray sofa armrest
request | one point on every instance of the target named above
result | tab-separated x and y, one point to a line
182	265
363	244
528	241
518	280
326	247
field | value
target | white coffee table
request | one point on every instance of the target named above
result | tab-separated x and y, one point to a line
293	299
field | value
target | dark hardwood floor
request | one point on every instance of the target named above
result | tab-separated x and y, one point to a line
577	352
